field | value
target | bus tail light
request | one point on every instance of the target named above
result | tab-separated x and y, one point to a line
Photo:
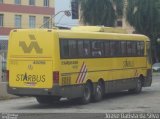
56	77
7	75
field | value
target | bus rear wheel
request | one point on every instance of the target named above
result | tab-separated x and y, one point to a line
138	88
99	92
86	97
47	99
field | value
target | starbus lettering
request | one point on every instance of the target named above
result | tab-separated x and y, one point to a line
30	78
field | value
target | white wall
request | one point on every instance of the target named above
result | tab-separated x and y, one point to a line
4	37
60	19
0	68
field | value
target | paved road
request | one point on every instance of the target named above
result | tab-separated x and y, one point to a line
147	101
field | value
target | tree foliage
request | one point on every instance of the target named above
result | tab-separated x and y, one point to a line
119	7
100	12
144	16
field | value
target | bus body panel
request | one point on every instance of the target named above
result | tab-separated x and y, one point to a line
106	69
118	73
26	43
30	59
30	73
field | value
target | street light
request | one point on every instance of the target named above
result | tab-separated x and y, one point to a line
66	13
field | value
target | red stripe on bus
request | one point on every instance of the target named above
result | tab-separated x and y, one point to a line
84	75
79	73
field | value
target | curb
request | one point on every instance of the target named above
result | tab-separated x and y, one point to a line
3	92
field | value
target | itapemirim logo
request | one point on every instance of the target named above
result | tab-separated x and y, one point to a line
33	45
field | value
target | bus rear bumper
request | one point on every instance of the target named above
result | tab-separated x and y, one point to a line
60	91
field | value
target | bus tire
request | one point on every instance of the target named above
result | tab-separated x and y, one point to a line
47	99
138	88
98	94
86	97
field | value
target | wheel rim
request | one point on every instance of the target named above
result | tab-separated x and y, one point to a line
99	91
87	93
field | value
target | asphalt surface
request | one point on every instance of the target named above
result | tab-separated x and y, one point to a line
27	108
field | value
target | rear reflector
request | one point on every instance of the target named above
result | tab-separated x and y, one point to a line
56	77
7	75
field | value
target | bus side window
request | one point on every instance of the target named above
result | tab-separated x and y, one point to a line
124	48
107	48
117	49
129	48
113	48
134	48
140	48
97	49
101	46
72	49
80	48
87	49
64	49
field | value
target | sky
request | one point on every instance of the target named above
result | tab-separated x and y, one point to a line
61	19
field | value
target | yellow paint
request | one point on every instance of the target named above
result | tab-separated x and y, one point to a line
36	74
97	68
8	1
99	29
17	59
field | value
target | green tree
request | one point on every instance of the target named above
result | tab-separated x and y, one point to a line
100	12
144	16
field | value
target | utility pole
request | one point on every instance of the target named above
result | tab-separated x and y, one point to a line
75	9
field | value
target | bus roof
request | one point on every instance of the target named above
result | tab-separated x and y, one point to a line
99	35
99	29
91	34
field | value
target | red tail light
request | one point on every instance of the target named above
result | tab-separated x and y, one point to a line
7	75
56	77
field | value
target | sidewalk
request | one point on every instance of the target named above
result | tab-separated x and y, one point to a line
3	92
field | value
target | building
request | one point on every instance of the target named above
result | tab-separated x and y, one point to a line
3	46
24	14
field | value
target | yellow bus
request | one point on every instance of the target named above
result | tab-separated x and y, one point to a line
83	63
